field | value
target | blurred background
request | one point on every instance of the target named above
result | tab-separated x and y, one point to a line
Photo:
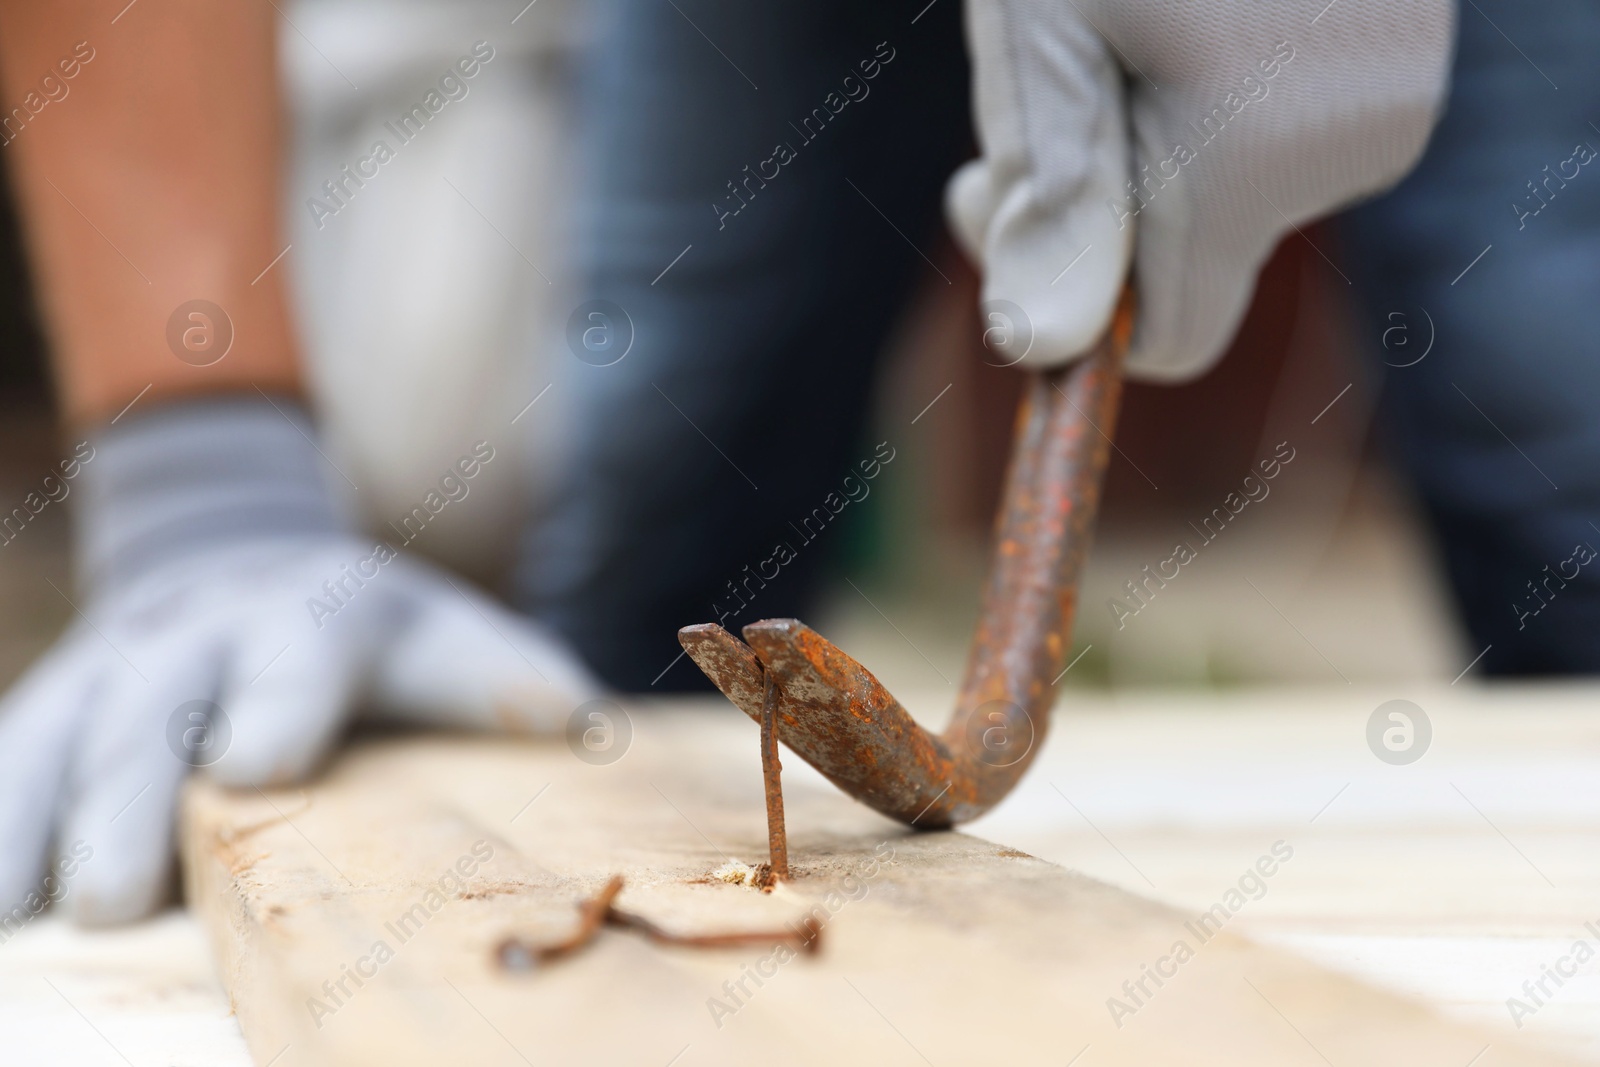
462	251
434	313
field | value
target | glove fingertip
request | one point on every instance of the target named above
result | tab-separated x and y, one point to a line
127	877
263	765
1192	306
1044	307
114	905
968	205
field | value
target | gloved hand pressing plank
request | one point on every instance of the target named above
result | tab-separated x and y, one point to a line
1208	128
207	538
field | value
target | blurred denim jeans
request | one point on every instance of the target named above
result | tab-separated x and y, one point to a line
1496	236
761	185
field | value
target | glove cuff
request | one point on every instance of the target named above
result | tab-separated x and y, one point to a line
181	479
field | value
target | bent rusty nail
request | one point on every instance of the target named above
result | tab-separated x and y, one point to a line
517	954
807	939
840	719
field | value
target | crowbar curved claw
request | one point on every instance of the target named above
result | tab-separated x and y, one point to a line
836	716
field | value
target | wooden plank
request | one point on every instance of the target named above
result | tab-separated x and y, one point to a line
348	934
1454	879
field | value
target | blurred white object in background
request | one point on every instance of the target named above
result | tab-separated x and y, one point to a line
431	303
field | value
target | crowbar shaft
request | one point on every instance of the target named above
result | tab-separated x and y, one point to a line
836	716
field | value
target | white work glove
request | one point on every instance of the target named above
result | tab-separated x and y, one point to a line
207	538
1235	119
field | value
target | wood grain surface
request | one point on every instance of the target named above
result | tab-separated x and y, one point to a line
355	921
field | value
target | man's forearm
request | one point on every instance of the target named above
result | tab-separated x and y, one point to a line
145	154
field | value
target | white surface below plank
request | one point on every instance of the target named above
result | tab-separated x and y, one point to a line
143	995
